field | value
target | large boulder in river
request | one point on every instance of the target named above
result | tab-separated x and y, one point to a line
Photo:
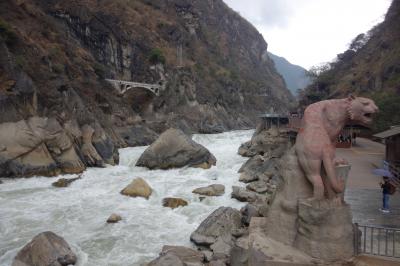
175	149
137	188
211	190
46	248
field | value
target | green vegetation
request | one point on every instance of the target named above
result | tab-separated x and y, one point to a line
156	56
6	33
389	110
55	52
58	68
100	70
20	61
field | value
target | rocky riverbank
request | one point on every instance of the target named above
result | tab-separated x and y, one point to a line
223	238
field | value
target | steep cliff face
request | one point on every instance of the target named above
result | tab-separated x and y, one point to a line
370	67
295	76
55	56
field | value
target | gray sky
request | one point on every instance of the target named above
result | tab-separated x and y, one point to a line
310	32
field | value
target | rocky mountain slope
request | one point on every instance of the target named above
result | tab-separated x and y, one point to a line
56	55
294	75
370	67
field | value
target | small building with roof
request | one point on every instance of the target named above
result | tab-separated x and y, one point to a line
391	139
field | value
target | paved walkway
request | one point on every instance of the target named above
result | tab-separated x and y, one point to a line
363	192
364	156
365	204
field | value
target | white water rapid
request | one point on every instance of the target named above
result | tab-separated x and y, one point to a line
79	212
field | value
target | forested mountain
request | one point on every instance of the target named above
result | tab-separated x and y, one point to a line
370	67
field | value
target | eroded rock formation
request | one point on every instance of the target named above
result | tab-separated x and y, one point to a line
42	146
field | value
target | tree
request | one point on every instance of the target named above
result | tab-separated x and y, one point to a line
156	56
358	42
315	71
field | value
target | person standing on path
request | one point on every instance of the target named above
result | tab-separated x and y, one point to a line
386	186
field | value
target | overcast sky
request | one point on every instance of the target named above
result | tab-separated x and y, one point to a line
310	32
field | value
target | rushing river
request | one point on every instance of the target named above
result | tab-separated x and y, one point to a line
78	213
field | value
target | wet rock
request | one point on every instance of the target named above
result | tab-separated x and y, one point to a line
46	248
249	211
222	247
167	260
212	190
207	254
178	255
174	202
217	263
271	142
175	149
187	255
221	223
259	167
245	151
240	252
241	194
258	186
254	162
104	146
64	182
89	152
248	177
137	135
137	188
114	218
240	232
61	148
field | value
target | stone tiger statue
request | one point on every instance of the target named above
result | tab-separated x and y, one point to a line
316	140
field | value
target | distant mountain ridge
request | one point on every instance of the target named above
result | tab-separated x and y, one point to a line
294	75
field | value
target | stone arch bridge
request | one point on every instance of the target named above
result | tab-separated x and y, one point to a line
123	86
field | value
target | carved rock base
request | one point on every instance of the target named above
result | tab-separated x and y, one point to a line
321	229
325	230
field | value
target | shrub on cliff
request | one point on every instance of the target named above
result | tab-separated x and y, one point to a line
156	56
389	110
6	33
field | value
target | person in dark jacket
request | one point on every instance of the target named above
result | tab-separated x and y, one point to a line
385	192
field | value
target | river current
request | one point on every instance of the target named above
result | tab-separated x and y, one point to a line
79	212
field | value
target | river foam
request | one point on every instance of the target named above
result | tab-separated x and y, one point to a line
78	213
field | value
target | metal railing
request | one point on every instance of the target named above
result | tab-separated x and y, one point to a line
375	240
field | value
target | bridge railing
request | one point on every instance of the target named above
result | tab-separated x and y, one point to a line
376	240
